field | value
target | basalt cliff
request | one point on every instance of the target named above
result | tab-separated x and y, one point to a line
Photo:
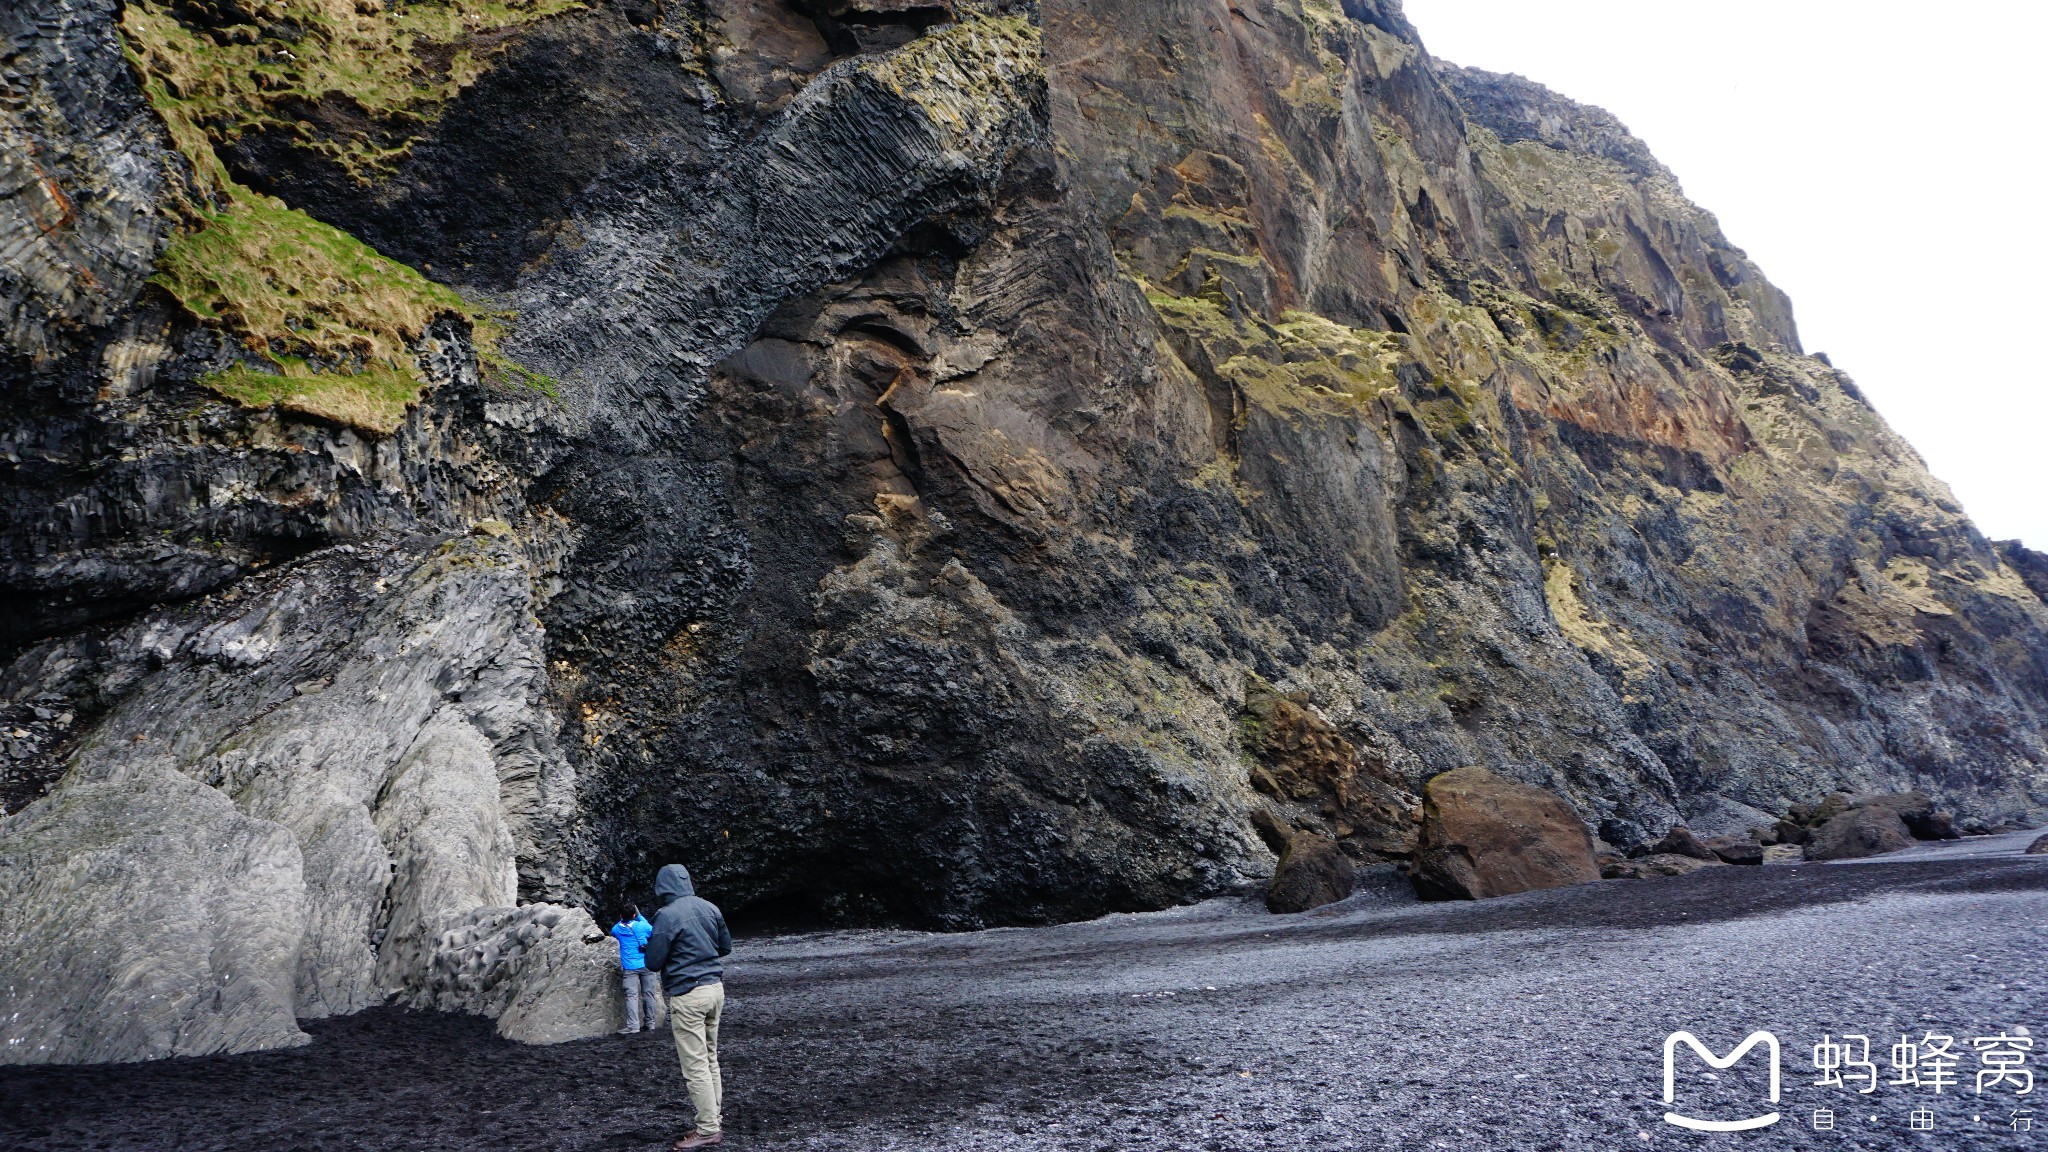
931	462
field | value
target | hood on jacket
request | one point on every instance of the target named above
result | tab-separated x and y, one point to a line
672	883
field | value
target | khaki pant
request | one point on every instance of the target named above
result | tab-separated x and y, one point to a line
693	1018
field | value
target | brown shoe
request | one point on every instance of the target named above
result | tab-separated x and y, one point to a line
700	1140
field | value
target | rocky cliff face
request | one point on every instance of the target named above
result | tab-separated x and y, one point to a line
931	461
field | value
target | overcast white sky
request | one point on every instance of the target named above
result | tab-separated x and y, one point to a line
1881	163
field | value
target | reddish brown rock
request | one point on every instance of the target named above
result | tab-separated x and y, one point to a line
1866	830
1916	810
1680	841
1272	829
2039	847
1313	872
1300	758
1484	836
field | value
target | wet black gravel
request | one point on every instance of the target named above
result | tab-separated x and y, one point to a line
1532	1022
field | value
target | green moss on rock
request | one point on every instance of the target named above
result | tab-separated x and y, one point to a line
216	69
1304	361
965	76
328	324
374	399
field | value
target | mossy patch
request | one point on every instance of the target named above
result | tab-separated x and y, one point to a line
1303	362
217	69
1449	410
278	276
375	399
966	76
327	323
1577	623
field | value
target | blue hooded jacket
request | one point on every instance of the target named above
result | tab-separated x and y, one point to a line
632	937
690	937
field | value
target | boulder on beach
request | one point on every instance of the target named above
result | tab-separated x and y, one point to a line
1657	864
1484	835
1867	830
1680	841
1736	849
546	972
1915	810
1790	831
1937	826
2039	847
1313	871
145	917
1831	805
1849	827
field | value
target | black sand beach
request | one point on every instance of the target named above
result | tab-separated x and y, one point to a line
1529	1022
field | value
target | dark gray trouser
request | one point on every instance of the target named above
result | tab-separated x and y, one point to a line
643	986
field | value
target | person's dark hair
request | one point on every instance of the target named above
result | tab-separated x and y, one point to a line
632	912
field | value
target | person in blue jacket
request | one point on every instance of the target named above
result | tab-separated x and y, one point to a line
642	983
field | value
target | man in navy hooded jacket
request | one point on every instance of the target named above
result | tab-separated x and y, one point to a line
688	948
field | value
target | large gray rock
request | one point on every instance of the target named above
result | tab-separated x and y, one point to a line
547	973
144	917
443	796
377	713
360	703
